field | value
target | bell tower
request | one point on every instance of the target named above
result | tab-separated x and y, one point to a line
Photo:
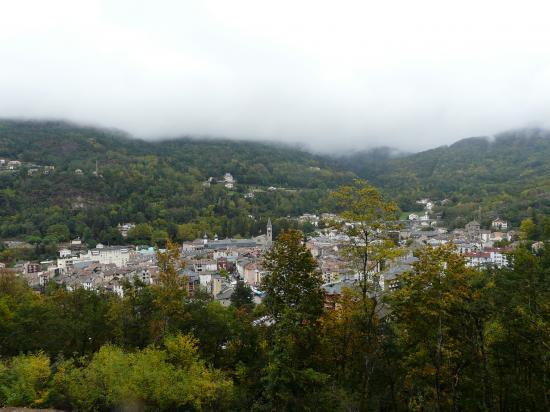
269	233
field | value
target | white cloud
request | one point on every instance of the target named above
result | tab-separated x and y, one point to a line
334	74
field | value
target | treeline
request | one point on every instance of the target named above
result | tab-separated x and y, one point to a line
450	338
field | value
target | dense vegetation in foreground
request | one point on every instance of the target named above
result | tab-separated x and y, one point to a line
452	338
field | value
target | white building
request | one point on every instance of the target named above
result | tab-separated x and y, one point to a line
229	181
14	164
117	255
489	257
499	224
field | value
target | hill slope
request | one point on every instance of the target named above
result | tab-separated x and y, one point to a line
507	175
160	183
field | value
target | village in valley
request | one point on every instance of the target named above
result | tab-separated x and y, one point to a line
215	265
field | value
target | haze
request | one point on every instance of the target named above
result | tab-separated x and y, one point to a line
331	75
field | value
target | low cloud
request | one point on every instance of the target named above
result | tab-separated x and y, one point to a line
331	76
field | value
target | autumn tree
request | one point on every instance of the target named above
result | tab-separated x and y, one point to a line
170	292
371	220
439	317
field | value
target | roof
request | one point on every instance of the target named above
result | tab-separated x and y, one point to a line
335	288
225	294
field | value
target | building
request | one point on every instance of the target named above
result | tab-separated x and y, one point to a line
124	228
488	257
499	224
228	181
117	255
473	230
269	233
253	273
14	164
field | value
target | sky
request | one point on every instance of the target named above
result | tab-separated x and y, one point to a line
330	75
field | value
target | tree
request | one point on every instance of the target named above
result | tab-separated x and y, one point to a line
159	379
24	380
293	280
519	335
294	299
439	317
141	233
371	222
60	232
170	293
527	229
372	219
242	296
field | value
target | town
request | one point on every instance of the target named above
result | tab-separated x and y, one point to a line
215	265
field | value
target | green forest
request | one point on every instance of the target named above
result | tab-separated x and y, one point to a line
160	185
451	338
507	176
157	185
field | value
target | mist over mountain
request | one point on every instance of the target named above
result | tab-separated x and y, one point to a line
146	181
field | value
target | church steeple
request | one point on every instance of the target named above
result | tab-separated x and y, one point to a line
269	232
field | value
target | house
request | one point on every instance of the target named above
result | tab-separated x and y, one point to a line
537	247
30	268
253	273
124	228
224	297
14	164
63	253
487	257
192	283
499	224
485	235
228	181
473	230
413	216
78	172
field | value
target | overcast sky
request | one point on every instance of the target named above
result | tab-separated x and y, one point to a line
330	75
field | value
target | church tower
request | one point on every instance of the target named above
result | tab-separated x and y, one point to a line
269	233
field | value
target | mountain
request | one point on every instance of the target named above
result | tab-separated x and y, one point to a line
160	183
507	176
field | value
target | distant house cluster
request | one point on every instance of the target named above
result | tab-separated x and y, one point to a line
7	165
228	181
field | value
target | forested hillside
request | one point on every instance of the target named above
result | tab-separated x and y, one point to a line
158	184
508	176
161	184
